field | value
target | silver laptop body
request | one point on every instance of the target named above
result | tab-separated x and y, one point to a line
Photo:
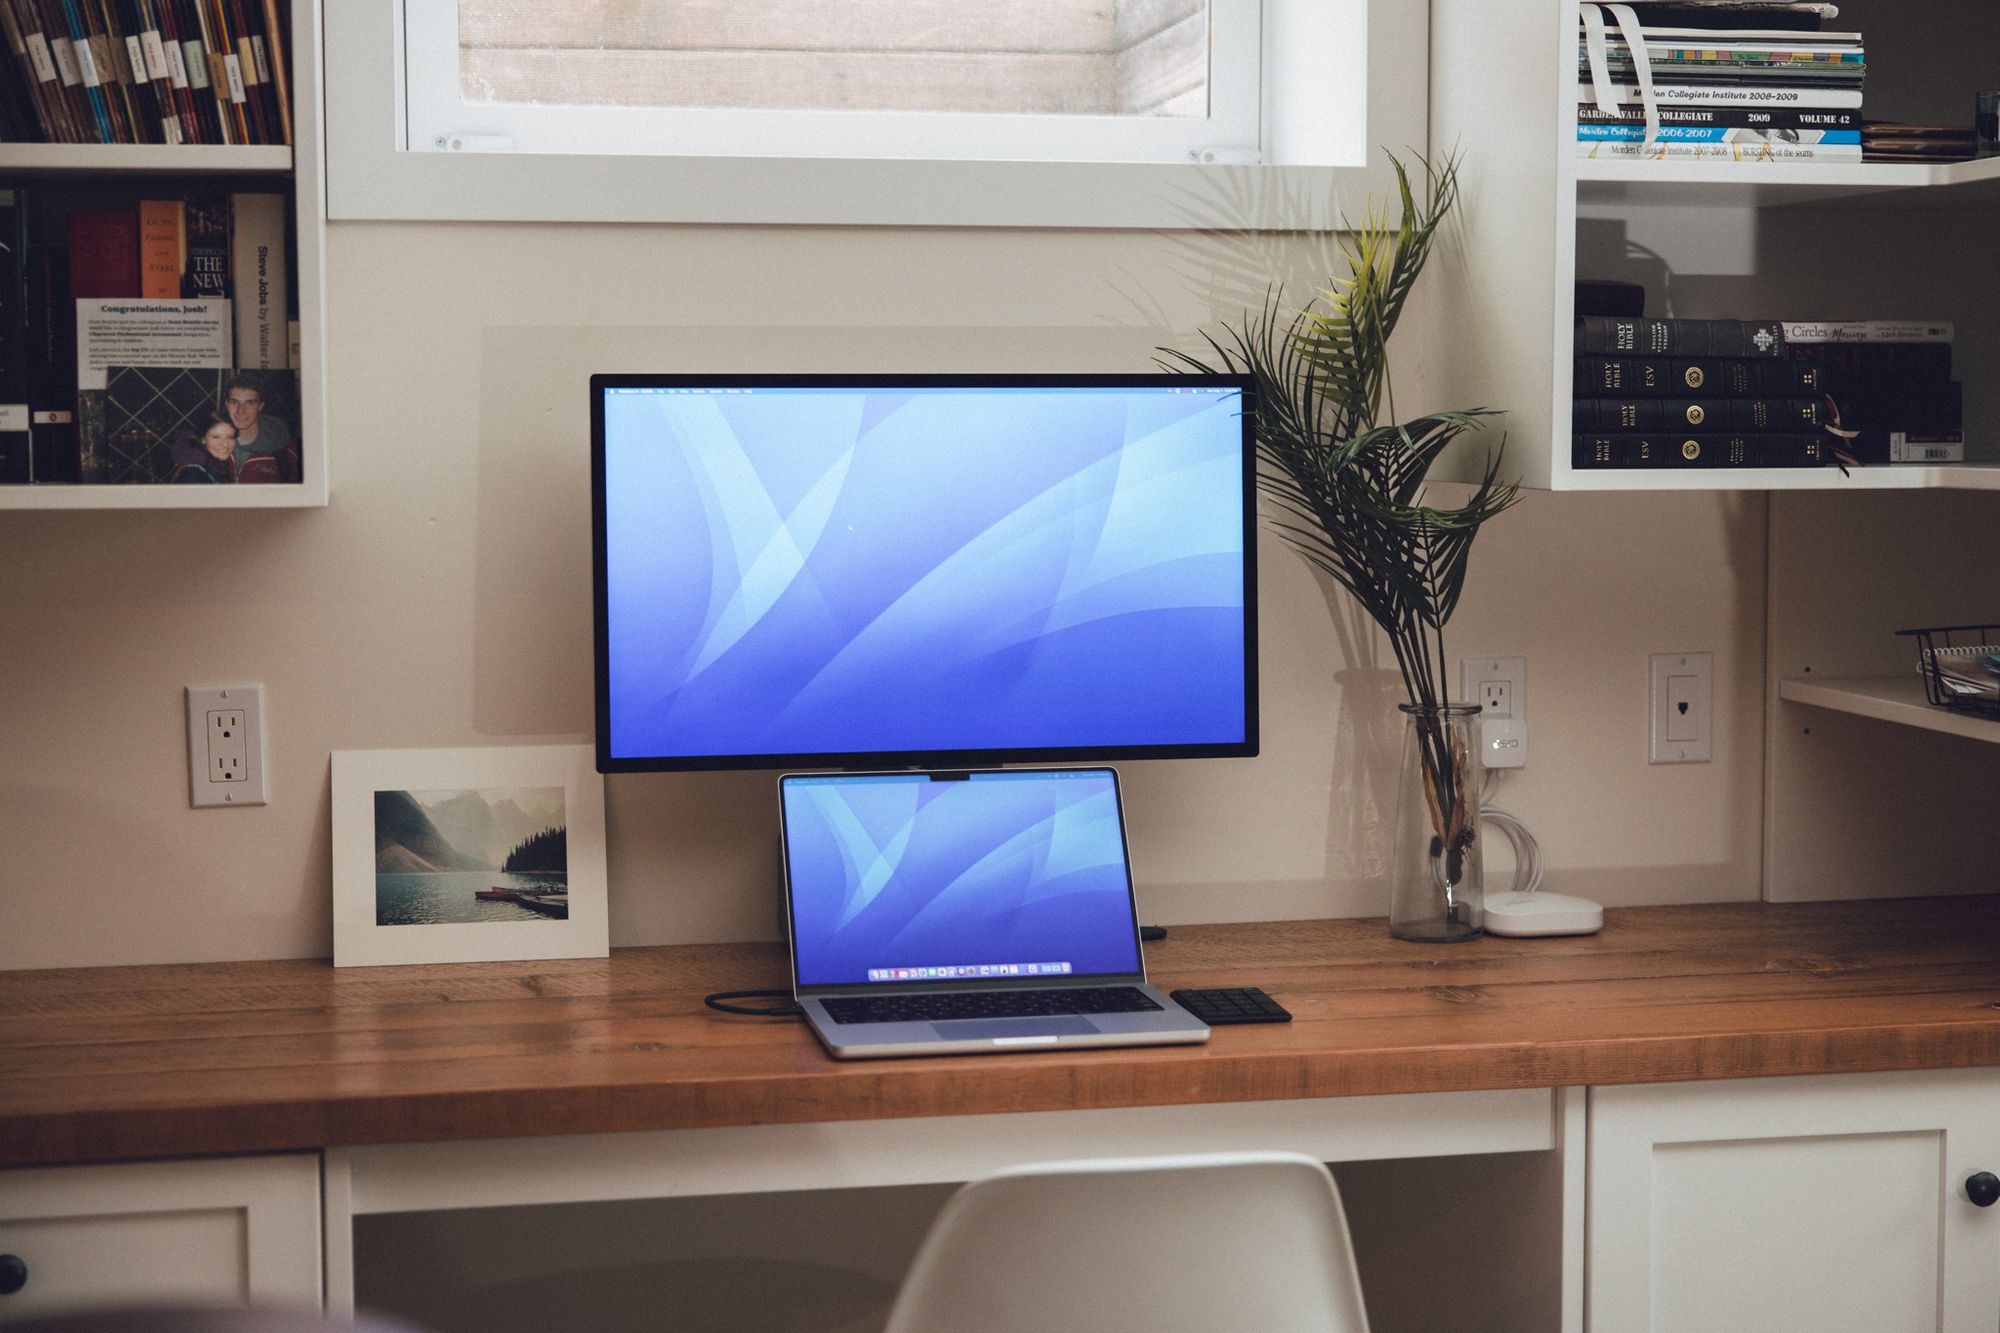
921	888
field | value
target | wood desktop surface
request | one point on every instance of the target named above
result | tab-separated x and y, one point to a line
178	1060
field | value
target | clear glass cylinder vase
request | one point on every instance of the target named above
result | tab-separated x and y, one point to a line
1438	891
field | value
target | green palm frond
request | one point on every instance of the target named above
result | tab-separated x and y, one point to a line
1346	484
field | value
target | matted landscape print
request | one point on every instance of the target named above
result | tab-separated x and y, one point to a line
496	855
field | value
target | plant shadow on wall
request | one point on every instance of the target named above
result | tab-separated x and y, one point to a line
1347	486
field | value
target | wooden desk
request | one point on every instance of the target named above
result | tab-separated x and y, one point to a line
425	1088
175	1061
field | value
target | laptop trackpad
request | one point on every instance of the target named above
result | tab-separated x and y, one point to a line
987	1029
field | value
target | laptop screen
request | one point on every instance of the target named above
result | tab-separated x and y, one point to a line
909	878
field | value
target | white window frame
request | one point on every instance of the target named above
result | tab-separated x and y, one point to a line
438	119
1309	163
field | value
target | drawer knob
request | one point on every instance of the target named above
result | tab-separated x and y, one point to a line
13	1274
1983	1188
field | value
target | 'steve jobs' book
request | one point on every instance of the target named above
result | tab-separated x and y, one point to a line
257	264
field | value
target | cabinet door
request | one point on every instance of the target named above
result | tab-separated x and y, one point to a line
1830	1203
227	1231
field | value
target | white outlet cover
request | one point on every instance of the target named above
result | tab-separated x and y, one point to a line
1700	668
203	700
1513	670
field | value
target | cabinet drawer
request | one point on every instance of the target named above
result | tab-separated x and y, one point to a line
229	1231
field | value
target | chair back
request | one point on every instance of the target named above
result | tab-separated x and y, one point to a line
1159	1244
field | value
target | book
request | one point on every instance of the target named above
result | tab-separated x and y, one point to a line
205	222
17	445
1779	17
1731	94
51	362
1622	336
1745	117
1802	331
1912	446
16	416
1622	132
281	83
1595	451
103	255
1738	377
13	302
1698	416
257	277
162	248
1767	152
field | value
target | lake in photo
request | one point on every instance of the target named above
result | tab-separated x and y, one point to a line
449	896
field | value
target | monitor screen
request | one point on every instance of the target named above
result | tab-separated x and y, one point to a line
872	571
912	878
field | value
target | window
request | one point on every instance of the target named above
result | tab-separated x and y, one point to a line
1130	113
1098	81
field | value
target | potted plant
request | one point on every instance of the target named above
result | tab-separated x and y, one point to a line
1346	482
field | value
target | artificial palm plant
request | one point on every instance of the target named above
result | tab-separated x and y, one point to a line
1347	481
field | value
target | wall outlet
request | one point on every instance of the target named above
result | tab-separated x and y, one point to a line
1683	708
1499	685
226	745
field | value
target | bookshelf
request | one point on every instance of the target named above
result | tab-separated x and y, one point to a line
1536	218
1869	791
300	171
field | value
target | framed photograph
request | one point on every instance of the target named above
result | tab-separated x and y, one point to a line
466	856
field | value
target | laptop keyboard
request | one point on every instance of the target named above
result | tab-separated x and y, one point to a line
989	1004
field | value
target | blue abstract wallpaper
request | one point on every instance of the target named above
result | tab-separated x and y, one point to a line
1012	870
799	571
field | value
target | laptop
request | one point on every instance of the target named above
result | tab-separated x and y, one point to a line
932	913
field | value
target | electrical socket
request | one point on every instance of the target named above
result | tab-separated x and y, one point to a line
226	745
1499	685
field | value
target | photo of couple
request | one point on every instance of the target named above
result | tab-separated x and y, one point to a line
241	442
191	426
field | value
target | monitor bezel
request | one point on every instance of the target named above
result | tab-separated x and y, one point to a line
927	758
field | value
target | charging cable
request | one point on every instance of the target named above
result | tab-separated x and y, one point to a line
1527	851
720	1002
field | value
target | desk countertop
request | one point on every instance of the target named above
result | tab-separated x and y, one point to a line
179	1060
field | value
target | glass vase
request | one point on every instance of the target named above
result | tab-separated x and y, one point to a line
1438	892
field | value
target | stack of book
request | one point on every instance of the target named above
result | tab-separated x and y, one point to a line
1724	93
1655	393
145	71
1707	393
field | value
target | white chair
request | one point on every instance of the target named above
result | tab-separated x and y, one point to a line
1161	1244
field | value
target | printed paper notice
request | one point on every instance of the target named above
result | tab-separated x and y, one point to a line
128	331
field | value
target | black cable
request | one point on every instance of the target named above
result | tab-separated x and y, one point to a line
790	1009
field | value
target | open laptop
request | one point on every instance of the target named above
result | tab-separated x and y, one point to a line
967	912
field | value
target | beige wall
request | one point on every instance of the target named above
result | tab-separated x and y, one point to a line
442	600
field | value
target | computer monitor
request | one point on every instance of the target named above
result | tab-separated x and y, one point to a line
872	571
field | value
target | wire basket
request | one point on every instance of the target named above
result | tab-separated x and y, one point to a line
1960	665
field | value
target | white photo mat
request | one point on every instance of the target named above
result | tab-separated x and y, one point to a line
358	938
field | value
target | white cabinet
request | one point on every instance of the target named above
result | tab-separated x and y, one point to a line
1830	1203
223	1231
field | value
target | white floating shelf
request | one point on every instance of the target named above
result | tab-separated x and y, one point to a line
1897	699
165	496
198	159
1775	184
1892	477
